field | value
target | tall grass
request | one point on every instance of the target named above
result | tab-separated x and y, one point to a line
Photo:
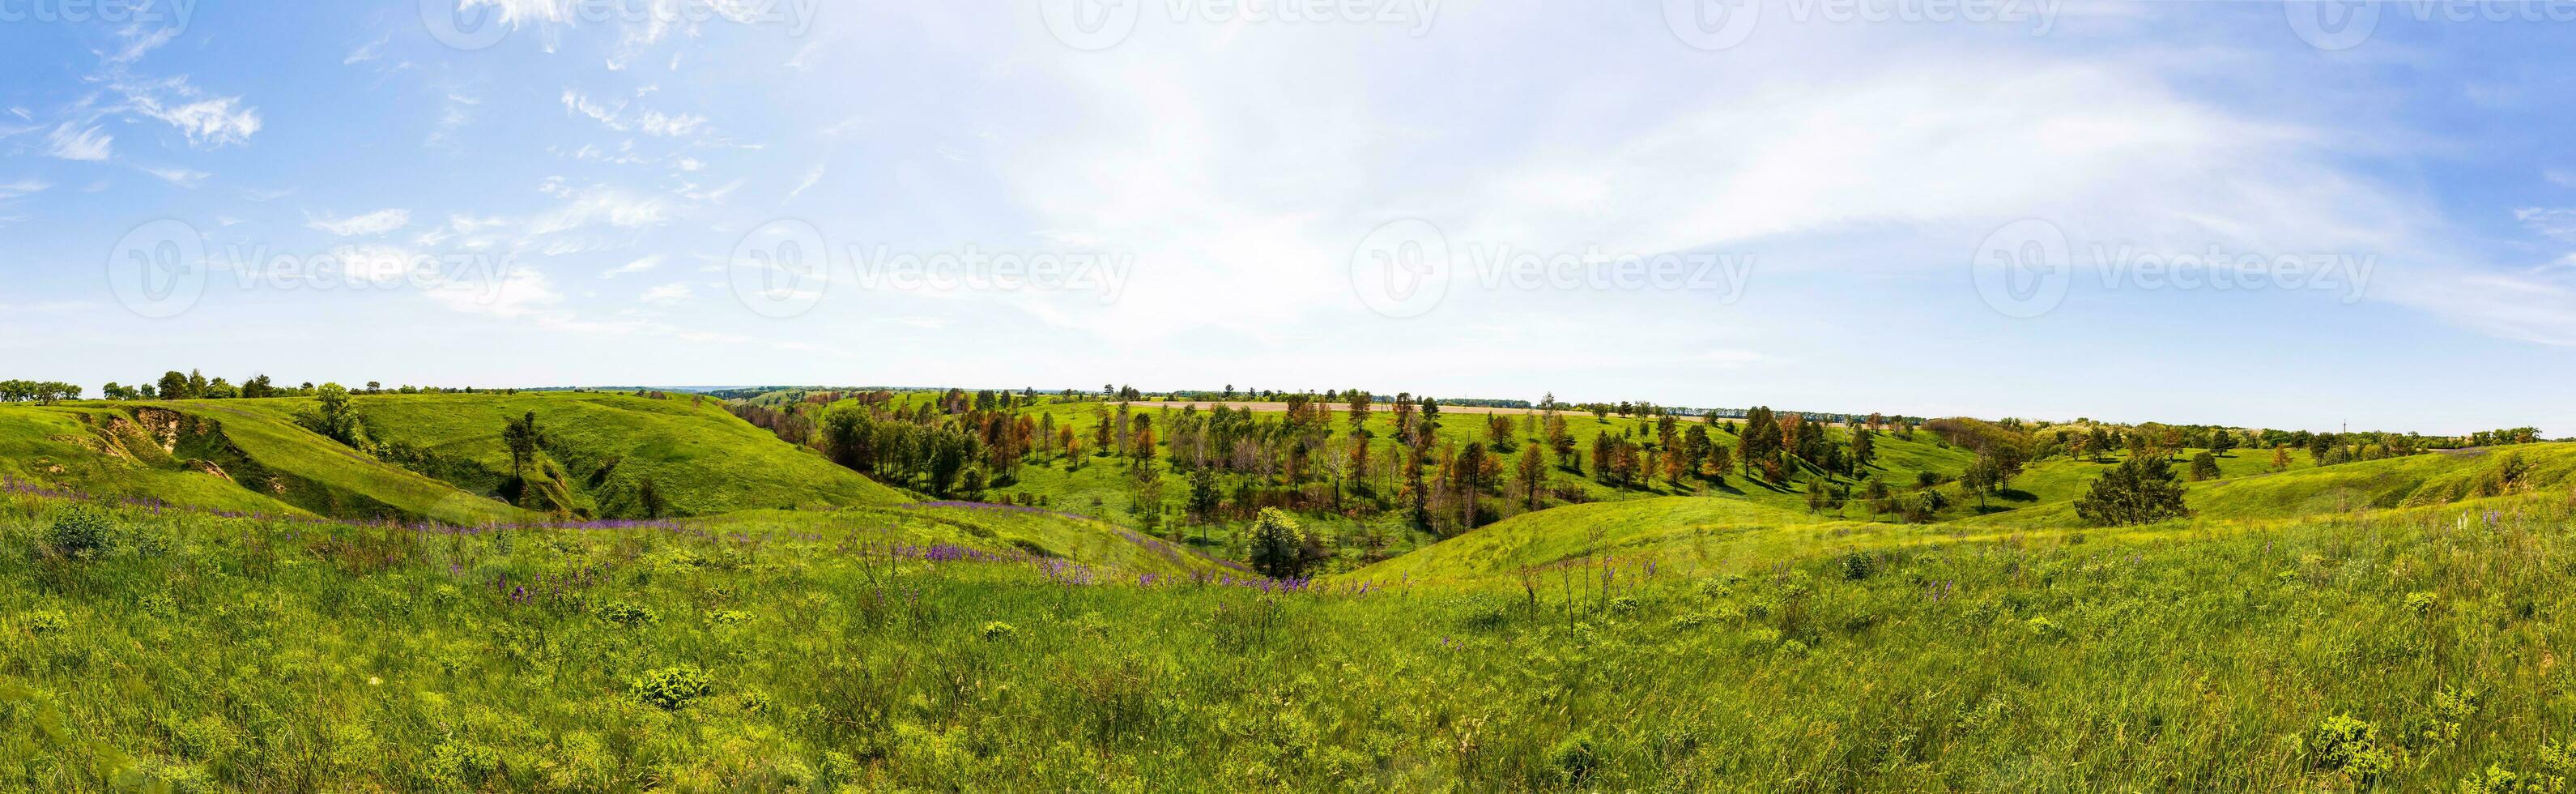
199	652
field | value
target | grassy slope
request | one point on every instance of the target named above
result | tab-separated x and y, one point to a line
55	446
231	655
2417	480
995	528
1699	527
703	460
350	484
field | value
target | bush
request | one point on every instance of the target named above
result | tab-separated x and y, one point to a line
1858	566
996	631
2351	745
628	614
672	687
79	532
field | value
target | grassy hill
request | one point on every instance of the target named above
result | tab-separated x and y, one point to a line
442	458
2431	479
602	447
189	652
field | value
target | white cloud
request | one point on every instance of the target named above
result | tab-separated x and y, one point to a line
2553	222
575	103
637	266
667	294
517	293
71	142
671	126
366	52
178	176
139	41
812	175
603	205
216	122
373	223
22	187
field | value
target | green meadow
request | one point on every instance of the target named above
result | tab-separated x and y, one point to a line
210	595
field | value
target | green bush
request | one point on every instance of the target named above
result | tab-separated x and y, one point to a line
2345	743
628	614
996	630
672	687
79	532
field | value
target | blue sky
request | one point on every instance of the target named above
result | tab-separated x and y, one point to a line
568	193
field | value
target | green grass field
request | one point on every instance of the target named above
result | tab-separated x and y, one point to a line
202	623
2400	651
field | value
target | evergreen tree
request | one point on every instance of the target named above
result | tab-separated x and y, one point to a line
2141	490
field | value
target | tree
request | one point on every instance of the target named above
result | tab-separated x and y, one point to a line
1203	499
2141	490
1864	447
2280	457
1762	439
335	419
1280	548
2204	466
1533	471
521	436
174	386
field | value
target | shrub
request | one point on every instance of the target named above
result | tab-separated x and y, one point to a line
671	687
1574	758
1858	566
628	614
2345	743
2419	602
79	532
996	630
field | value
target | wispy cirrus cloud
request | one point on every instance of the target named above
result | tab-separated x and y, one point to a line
76	142
370	224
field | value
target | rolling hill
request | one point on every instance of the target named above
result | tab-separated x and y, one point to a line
441	458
